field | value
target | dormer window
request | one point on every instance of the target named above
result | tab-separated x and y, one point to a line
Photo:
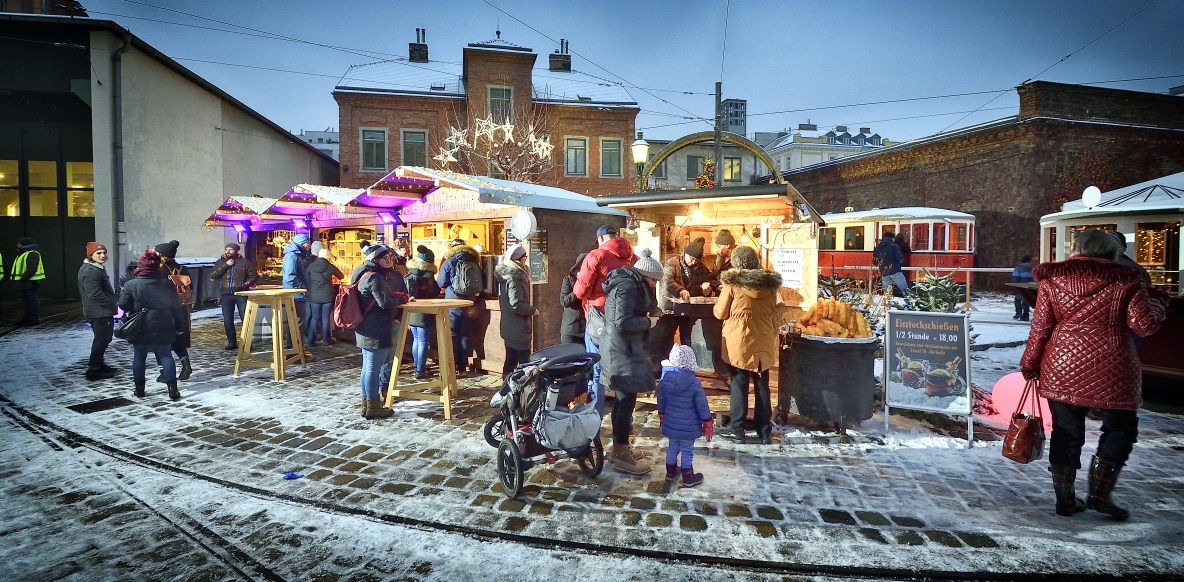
501	104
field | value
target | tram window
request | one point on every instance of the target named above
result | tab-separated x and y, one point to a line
906	230
939	236
1052	245
853	238
887	229
958	234
826	239
970	238
921	236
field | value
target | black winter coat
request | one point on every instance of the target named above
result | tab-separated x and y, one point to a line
234	278
888	256
624	346
185	338
573	311
421	284
378	289
320	280
514	297
165	316
98	297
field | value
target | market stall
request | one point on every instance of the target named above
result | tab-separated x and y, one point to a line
773	219
1149	216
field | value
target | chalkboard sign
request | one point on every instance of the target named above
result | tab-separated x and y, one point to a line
538	257
927	363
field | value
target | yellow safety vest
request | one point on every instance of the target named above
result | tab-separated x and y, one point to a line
1	267
18	268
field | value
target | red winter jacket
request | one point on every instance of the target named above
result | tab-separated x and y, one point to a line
589	287
1080	341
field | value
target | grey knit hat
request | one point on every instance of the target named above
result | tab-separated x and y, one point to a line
647	264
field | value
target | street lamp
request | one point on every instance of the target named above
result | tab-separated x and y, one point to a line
641	151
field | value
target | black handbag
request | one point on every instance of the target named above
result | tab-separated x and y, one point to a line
130	325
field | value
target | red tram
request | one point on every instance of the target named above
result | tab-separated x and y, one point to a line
938	238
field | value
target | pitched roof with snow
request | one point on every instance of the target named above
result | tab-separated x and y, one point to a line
510	193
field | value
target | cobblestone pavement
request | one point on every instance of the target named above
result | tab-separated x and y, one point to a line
901	501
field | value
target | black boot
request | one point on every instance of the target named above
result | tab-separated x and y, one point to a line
173	392
1103	476
186	369
1062	484
139	390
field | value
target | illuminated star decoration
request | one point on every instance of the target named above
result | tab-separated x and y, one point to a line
507	132
485	128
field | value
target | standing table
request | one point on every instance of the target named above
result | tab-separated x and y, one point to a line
281	302
446	382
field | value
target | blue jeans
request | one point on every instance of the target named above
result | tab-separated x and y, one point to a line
420	336
229	303
460	337
372	361
1021	307
896	279
164	358
595	388
676	446
319	314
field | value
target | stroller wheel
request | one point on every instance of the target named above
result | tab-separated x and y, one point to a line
592	463
495	429
509	468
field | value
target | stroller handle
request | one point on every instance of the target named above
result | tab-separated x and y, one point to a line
568	359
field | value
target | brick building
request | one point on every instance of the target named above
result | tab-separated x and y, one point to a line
397	113
1012	171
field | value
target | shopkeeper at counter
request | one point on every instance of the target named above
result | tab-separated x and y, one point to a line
684	277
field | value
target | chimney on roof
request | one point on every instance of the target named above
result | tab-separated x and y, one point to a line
841	129
807	127
866	130
417	52
560	59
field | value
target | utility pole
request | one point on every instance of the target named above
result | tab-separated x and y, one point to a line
719	126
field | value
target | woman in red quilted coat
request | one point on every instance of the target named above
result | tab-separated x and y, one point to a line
1081	350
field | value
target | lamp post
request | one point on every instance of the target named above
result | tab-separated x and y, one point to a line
641	151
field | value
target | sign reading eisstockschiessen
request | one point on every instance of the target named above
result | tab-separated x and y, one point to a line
927	362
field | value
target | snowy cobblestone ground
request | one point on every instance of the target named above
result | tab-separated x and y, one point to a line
901	501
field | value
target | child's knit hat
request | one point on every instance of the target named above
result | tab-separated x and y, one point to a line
682	357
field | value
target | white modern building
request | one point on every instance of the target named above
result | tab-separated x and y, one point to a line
327	142
807	146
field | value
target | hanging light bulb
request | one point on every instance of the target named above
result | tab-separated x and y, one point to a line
743	235
697	214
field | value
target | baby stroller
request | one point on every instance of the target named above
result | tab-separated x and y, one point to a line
541	417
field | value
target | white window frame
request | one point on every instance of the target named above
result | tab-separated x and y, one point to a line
489	100
403	131
586	156
620	156
386	144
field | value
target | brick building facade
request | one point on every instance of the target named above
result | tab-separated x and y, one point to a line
1010	172
398	113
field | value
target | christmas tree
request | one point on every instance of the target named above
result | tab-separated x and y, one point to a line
706	178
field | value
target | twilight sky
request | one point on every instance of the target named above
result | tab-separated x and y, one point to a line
787	55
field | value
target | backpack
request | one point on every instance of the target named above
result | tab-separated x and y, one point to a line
466	278
420	286
347	306
183	284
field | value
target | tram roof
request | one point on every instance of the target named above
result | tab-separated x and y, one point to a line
902	213
1159	196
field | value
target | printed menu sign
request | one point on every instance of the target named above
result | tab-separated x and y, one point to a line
788	262
927	363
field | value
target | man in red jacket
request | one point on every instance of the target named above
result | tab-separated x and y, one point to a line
612	252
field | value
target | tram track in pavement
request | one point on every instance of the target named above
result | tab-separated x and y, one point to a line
60	436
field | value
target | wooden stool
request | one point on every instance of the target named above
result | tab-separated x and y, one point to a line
447	380
281	301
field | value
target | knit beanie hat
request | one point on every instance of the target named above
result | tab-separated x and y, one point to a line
300	239
425	254
724	237
167	250
148	265
92	247
683	357
647	264
695	249
323	253
456	242
233	246
317	247
515	252
374	251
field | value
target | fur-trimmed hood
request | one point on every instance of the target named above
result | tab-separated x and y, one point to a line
508	270
752	279
473	254
1083	276
420	265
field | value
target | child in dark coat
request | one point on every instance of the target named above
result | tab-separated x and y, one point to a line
684	414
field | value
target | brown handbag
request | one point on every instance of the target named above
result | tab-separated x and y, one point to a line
1024	442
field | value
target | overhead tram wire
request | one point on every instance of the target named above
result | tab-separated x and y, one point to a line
590	61
858	122
1063	59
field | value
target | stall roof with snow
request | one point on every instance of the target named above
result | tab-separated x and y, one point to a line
763	204
1160	196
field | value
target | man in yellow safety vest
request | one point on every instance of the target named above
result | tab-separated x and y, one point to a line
28	271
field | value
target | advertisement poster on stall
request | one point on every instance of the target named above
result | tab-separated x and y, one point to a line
788	262
927	363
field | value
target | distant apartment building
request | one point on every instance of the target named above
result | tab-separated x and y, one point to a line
805	146
735	116
398	113
328	141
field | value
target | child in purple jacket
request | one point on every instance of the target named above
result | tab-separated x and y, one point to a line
683	412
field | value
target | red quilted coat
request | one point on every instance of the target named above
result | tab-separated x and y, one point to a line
1080	342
